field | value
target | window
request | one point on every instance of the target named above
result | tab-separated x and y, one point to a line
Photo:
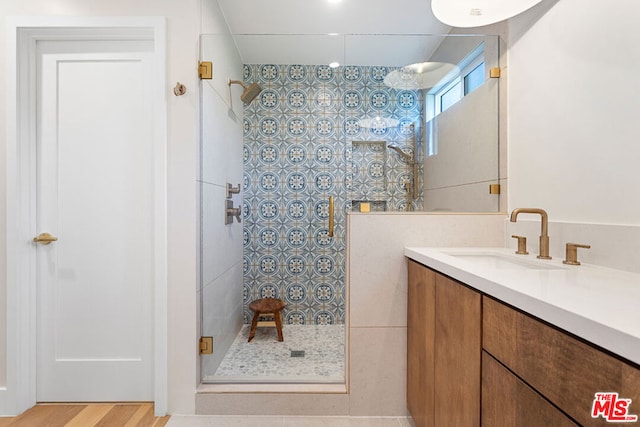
449	95
471	76
474	79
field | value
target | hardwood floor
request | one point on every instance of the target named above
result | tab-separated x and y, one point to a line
87	415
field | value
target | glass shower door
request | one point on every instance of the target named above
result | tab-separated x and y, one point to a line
220	248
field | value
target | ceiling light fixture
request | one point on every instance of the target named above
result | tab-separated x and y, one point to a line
334	64
476	13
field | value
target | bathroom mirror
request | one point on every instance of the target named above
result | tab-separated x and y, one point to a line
456	146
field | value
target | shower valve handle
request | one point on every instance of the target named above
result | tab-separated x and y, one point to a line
231	212
237	212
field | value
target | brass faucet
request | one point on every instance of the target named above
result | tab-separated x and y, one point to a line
544	228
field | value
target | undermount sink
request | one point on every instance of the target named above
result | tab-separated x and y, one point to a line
496	260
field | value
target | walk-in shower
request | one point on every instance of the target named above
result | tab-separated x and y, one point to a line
307	133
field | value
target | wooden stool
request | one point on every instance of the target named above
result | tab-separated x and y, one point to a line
266	307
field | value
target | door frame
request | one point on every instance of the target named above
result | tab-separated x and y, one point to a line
23	33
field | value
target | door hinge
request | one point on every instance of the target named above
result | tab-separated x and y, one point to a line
494	73
494	188
205	70
206	345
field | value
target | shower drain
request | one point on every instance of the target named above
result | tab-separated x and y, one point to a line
297	353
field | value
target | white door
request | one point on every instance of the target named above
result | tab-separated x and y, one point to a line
95	195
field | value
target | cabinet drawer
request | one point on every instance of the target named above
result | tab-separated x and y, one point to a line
507	401
567	371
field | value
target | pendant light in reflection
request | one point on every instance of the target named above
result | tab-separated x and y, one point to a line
422	75
476	13
378	125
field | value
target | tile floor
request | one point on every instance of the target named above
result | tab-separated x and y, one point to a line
278	421
265	359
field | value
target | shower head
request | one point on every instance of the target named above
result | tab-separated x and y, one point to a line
250	92
402	154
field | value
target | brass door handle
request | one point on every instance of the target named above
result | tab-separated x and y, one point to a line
44	238
331	216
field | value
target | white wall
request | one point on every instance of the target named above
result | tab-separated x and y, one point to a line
574	129
457	178
377	271
573	111
183	27
222	150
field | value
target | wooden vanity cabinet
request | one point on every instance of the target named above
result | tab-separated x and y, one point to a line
473	360
566	371
443	347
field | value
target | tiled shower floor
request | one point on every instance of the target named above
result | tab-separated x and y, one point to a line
265	359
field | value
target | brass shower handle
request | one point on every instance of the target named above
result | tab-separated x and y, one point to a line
331	216
44	238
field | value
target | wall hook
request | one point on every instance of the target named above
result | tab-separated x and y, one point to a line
180	89
232	190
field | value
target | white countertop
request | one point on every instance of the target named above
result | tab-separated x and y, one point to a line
598	304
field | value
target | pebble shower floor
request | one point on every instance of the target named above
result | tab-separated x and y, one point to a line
265	359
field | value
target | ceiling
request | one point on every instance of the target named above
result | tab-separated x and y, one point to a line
371	32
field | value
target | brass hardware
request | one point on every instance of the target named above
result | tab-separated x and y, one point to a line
250	92
205	70
331	216
180	89
571	253
494	72
522	245
544	228
44	239
494	188
232	190
206	345
365	207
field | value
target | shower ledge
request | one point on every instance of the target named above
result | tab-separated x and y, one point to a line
273	388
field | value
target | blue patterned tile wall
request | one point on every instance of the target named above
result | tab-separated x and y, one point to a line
298	151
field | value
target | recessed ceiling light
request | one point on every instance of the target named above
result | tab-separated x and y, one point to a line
334	1
334	65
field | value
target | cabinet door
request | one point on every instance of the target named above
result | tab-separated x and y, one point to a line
566	370
509	402
457	354
420	338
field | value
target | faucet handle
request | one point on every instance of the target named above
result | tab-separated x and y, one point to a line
522	245
571	257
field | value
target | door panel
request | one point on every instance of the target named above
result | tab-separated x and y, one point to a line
94	176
